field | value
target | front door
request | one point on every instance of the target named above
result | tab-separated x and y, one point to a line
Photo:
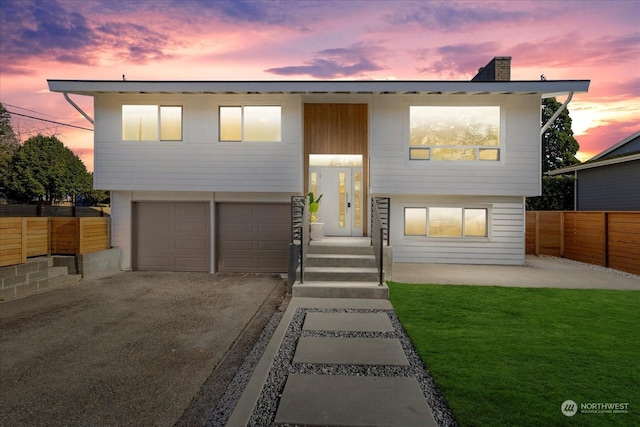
341	205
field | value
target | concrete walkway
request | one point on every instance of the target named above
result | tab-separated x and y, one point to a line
338	362
539	272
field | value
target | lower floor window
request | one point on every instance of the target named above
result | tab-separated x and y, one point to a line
445	222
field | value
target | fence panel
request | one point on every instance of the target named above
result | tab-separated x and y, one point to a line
13	249
531	224
64	236
94	235
624	241
549	233
584	237
37	237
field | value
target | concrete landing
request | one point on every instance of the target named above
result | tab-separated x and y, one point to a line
338	400
357	290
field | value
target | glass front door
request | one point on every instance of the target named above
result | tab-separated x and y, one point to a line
341	205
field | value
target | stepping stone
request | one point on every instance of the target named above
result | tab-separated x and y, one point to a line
356	322
339	400
350	351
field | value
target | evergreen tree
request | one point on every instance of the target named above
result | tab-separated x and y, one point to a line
8	145
559	149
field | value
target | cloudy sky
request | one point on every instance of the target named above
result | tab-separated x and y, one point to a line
292	40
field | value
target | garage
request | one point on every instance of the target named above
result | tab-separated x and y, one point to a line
253	237
171	236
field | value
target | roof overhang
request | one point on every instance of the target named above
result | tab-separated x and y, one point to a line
596	164
546	88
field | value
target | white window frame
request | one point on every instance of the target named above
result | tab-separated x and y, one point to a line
242	123
158	122
428	235
427	150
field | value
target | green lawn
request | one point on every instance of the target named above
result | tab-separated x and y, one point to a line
510	356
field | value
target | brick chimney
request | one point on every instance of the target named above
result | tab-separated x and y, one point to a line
498	69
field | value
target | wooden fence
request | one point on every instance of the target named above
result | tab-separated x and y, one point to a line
610	239
21	238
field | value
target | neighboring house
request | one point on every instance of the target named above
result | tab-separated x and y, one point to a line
201	173
610	181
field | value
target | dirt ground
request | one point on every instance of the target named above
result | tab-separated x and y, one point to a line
139	348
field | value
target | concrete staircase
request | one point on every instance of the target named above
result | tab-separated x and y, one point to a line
341	267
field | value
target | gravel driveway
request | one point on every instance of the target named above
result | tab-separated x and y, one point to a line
138	348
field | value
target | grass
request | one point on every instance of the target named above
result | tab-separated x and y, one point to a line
510	356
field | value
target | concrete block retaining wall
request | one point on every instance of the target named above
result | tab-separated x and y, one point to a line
24	279
45	273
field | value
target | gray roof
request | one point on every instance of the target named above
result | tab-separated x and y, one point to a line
546	88
611	156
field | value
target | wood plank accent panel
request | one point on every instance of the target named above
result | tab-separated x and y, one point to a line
338	129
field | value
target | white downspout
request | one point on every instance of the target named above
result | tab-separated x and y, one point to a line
556	114
86	116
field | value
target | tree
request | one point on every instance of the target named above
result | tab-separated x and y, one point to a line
43	169
559	149
8	145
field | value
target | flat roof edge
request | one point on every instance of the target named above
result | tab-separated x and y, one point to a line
545	88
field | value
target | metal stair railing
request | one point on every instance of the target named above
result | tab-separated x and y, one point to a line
299	239
380	214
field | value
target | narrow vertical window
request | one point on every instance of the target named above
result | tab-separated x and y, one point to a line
314	184
357	190
170	123
342	205
230	123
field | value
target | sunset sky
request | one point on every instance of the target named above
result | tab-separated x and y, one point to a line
293	40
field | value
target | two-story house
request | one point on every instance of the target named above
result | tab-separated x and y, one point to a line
201	173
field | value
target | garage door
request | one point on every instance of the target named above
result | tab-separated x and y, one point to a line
171	236
253	237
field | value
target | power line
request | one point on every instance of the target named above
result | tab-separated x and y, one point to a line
49	121
37	112
26	109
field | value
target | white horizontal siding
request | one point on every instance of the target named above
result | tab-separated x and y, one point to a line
121	226
517	174
200	162
505	244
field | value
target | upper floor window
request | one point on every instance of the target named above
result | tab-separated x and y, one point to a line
454	133
251	123
151	123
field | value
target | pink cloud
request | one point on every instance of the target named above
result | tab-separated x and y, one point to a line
599	138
